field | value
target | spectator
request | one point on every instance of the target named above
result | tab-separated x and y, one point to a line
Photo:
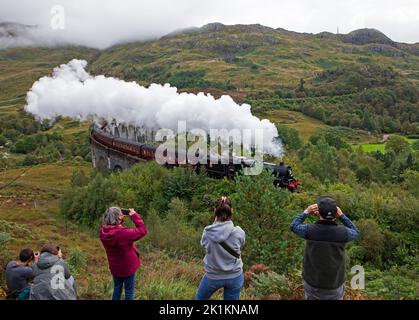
222	242
53	280
324	267
119	243
19	274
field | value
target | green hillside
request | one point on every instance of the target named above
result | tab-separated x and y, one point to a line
341	80
362	80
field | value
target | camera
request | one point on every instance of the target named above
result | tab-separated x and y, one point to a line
125	212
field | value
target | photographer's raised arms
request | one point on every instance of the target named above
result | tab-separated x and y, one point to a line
324	266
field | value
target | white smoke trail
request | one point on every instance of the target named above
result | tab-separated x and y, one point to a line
72	92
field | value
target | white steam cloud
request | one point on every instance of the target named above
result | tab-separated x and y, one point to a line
72	92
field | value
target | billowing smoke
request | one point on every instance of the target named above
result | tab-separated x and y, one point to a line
72	92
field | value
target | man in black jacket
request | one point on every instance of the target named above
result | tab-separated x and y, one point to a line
324	267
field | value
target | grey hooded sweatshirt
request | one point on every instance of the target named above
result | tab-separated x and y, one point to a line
53	280
220	264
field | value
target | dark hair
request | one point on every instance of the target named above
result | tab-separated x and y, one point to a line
26	255
282	163
51	248
223	210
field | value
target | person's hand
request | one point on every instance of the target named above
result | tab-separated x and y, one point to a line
339	213
36	257
313	209
131	212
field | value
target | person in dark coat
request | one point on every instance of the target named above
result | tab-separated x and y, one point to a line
19	273
324	266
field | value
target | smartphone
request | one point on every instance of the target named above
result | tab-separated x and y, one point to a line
125	212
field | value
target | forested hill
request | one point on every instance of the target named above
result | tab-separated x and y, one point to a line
361	80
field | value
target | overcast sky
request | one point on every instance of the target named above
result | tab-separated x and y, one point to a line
102	23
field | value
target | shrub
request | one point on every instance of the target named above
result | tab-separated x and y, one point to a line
255	270
176	234
182	183
76	261
356	255
396	284
290	137
14	230
270	285
261	210
4	238
79	178
3	140
364	174
397	144
371	239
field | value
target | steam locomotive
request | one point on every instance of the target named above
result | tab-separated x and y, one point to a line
218	170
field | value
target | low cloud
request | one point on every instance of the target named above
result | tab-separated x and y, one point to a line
104	23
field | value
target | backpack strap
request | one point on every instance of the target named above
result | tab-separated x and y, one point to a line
229	249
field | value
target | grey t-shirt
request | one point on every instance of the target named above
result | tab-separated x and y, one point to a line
17	277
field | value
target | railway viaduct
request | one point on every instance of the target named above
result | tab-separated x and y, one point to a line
108	159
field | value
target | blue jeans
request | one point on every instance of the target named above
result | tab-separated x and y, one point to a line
129	285
232	288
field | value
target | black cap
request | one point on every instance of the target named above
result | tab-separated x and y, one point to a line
327	207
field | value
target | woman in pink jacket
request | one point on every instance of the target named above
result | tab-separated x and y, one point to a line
119	243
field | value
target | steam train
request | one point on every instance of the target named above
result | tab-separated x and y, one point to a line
215	169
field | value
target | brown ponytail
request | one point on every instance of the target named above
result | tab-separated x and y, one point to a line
223	210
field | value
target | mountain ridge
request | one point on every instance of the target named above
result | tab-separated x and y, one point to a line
359	36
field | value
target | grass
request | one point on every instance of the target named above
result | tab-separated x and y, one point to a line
306	126
373	147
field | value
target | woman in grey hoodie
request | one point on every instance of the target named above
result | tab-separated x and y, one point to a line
222	242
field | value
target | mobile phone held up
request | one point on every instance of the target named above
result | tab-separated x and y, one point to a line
125	212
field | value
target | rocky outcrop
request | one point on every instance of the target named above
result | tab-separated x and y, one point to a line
367	36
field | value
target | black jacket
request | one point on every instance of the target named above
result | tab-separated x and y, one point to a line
324	263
